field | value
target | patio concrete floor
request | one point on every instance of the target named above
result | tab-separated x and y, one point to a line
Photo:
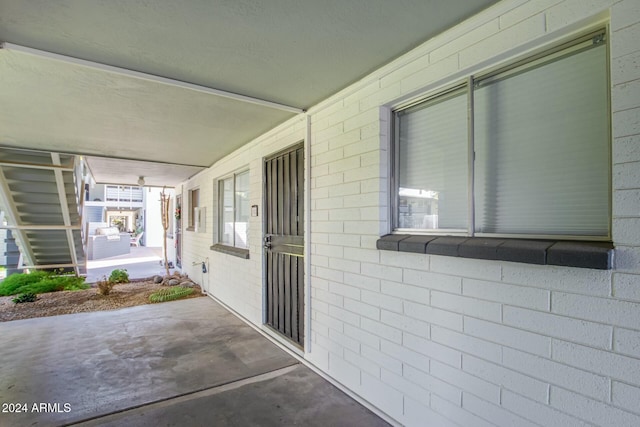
183	363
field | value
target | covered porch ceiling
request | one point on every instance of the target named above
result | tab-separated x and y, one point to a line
149	88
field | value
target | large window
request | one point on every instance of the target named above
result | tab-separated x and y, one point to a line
234	210
522	151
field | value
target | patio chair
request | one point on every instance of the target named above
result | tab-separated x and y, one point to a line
135	240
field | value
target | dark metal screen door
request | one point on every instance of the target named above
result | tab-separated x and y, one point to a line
284	243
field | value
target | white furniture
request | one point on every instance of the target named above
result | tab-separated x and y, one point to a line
135	241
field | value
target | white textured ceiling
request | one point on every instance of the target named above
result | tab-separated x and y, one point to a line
295	52
99	113
122	171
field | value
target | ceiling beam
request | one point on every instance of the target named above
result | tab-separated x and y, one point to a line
148	77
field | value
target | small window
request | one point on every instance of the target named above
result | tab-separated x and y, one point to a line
521	152
194	203
171	217
234	210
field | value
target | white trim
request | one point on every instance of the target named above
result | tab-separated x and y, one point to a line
64	207
307	237
263	230
386	143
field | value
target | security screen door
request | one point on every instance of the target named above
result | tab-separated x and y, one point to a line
284	243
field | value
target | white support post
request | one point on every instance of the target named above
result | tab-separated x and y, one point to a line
64	206
80	196
307	235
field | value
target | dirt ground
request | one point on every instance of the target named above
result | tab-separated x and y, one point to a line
52	304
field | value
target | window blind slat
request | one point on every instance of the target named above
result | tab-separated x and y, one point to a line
433	173
542	156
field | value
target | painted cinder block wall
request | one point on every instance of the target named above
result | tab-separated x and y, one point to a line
236	282
432	340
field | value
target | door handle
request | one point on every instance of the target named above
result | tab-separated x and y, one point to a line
267	245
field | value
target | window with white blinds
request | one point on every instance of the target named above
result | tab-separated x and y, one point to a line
541	143
432	178
233	195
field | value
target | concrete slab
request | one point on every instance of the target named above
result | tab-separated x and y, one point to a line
112	360
186	363
292	396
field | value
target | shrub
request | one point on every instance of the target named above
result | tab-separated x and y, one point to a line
170	294
27	297
39	282
119	275
105	286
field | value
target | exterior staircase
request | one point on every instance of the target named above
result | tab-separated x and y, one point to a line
41	197
11	254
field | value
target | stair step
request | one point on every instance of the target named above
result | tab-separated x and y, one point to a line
43	219
23	199
35	196
28	175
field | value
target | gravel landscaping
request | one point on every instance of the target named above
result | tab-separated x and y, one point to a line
65	302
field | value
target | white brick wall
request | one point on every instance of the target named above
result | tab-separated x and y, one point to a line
235	281
433	340
494	333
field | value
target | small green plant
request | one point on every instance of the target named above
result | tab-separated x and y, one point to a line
26	297
119	275
170	294
39	282
105	286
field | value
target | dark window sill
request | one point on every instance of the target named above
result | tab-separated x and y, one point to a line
230	250
598	255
